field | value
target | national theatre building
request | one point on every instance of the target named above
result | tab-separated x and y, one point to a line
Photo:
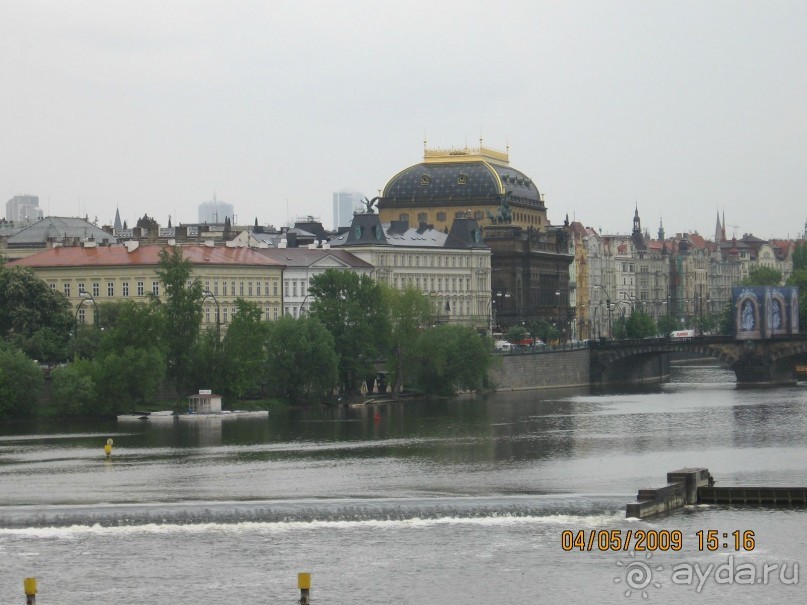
530	258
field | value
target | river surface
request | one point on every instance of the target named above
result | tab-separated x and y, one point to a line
451	501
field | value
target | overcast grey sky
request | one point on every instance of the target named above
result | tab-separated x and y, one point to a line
682	107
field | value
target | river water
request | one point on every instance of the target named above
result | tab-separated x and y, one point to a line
455	501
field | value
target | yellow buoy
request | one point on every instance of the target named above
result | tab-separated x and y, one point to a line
30	586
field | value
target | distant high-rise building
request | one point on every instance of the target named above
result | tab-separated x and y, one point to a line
215	212
23	209
345	202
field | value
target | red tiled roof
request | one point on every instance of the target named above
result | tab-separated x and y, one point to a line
119	256
697	240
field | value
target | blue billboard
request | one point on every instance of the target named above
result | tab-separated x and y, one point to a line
765	311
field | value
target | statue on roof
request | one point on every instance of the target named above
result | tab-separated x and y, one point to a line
504	213
368	205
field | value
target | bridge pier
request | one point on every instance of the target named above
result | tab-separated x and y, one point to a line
770	362
755	371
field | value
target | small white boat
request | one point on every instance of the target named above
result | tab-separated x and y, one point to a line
226	414
159	415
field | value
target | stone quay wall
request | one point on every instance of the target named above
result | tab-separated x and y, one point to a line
550	370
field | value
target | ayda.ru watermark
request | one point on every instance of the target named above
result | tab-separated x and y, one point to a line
642	577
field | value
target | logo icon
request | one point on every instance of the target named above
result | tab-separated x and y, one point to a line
638	576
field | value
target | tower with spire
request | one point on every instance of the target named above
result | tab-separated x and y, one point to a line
636	236
720	229
118	226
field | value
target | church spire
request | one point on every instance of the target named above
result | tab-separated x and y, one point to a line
718	230
117	224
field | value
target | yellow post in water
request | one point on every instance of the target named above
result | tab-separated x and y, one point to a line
29	584
304	584
108	447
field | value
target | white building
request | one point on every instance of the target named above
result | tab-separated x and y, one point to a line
345	203
452	268
215	212
301	264
23	209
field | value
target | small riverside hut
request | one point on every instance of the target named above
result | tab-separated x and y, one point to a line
204	403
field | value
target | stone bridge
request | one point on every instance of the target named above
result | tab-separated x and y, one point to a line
755	362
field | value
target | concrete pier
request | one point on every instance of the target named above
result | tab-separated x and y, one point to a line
682	488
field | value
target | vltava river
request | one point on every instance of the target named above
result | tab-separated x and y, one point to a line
460	501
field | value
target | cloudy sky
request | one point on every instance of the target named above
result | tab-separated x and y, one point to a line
682	107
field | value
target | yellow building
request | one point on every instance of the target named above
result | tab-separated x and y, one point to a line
90	275
462	183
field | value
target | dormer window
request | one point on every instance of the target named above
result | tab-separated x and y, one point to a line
462	179
425	180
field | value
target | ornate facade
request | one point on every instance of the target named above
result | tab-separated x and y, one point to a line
530	258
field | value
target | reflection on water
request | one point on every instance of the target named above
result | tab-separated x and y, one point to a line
422	504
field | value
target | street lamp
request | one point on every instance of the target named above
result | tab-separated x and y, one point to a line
302	306
608	306
501	295
85	296
208	294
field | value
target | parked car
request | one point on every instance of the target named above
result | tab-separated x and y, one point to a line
502	346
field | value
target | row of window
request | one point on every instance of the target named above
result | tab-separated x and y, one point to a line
245	288
455	306
435	284
423	217
290	288
95	290
271	313
394	259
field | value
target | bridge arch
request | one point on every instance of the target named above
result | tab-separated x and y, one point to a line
758	362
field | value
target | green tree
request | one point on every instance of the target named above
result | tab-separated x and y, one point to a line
127	377
301	361
667	324
800	256
135	325
351	309
182	312
725	320
619	328
409	313
639	325
208	363
799	278
28	304
762	276
243	351
516	334
85	342
544	330
450	358
636	325
73	388
20	383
